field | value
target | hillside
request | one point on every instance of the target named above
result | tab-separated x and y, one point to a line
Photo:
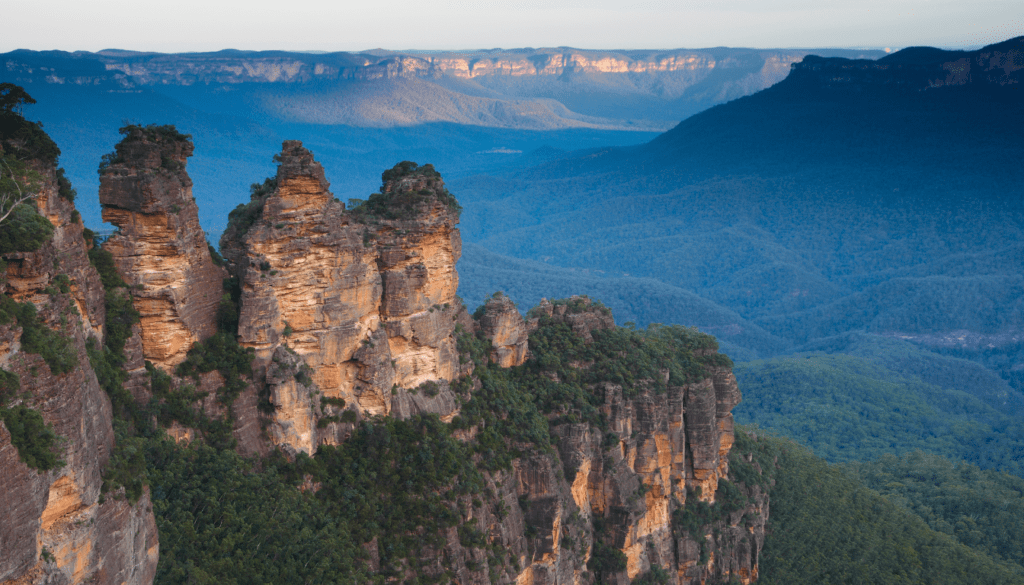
880	197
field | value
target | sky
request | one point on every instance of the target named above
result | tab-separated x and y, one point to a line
342	25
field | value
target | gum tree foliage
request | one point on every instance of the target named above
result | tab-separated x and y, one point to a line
402	204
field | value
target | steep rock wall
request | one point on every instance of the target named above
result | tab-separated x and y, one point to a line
353	313
622	488
159	248
365	297
53	526
501	323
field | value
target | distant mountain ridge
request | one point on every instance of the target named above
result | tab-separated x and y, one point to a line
520	88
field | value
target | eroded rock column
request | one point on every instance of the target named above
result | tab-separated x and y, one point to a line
159	248
365	297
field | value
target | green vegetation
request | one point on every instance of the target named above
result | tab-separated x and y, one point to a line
108	361
502	406
634	359
398	481
24	230
10	383
20	138
402	202
35	440
227	309
982	509
827	528
64	187
53	346
225	519
245	215
606	559
220	352
514	406
160	134
579	304
849	408
656	576
215	255
37	443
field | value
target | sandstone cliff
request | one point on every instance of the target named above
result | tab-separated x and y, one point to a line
352	313
544	88
55	527
602	454
503	326
366	297
159	248
622	488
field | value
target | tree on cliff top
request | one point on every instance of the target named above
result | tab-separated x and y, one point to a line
20	140
17	184
398	199
18	136
12	97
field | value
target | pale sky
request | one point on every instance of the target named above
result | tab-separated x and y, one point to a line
210	25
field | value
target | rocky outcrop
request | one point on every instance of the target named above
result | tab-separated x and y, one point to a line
624	489
501	323
55	527
159	248
581	314
352	313
365	297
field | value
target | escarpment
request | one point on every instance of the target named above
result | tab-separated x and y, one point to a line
159	248
619	499
486	448
56	435
366	296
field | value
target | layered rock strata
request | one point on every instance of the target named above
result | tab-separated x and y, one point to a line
53	526
501	323
159	247
563	517
670	446
352	313
365	297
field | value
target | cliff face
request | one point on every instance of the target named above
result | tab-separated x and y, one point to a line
544	88
53	526
159	248
622	488
367	301
185	70
350	314
503	326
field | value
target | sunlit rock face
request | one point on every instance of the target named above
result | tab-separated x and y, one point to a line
501	323
365	298
159	248
621	488
53	526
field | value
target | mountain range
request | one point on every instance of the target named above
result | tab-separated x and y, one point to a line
465	112
867	209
